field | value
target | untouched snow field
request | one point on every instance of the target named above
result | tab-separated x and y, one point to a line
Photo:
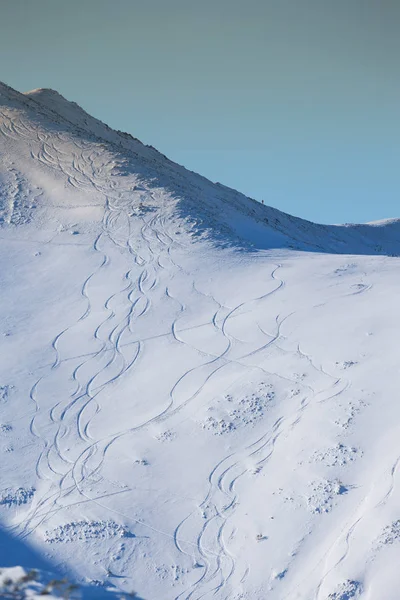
199	395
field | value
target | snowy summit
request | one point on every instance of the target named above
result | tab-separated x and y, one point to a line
198	393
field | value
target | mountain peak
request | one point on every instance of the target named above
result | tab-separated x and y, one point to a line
184	394
222	213
69	110
40	92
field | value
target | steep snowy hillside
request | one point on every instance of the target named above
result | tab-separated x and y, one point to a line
198	393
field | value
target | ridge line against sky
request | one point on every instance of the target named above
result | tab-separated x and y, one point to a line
293	102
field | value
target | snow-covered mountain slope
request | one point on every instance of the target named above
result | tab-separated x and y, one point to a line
198	393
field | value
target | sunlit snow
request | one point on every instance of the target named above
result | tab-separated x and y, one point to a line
198	393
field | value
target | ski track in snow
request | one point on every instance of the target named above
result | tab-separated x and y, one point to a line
138	252
220	564
86	393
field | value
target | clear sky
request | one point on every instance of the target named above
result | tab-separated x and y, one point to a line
293	101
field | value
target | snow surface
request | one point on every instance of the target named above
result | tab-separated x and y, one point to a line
17	583
198	393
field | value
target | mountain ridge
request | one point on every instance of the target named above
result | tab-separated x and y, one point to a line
263	222
197	392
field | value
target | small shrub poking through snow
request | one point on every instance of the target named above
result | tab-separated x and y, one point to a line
323	495
347	591
390	534
339	455
86	530
236	412
16	497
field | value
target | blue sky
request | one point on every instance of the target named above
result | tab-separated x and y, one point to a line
296	102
